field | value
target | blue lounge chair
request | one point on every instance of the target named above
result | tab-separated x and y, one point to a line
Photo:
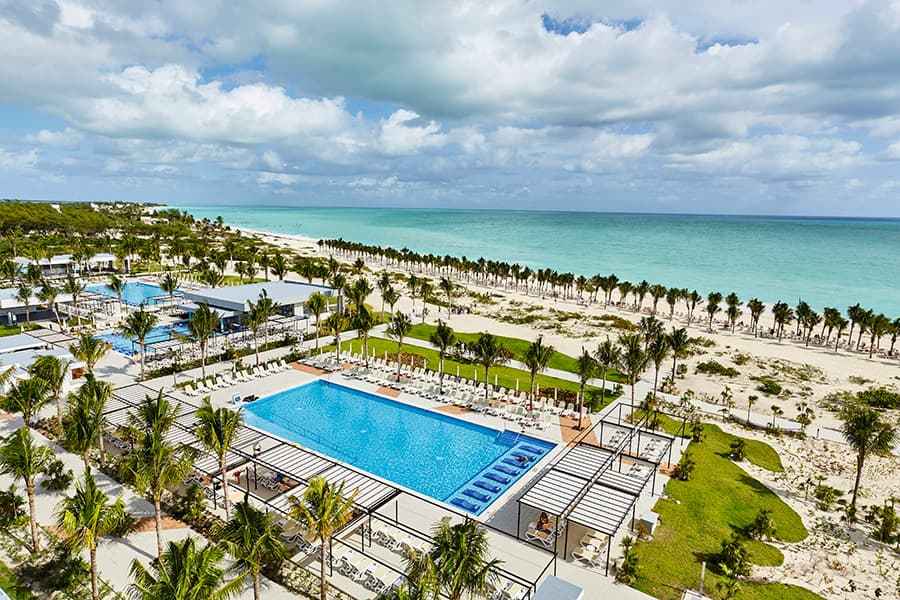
507	470
532	449
527	457
466	504
514	462
486	485
497	477
480	496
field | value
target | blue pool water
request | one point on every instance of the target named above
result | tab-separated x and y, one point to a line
135	294
449	459
160	333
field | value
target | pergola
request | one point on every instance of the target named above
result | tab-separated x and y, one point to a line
587	485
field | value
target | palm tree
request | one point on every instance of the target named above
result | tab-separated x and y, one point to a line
458	563
335	324
679	342
587	367
443	339
117	285
185	571
391	296
692	300
84	418
217	429
383	284
712	306
358	292
202	326
783	315
632	359
169	283
279	266
22	459
254	319
756	307
137	326
89	350
489	352
607	357
536	358
24	294
447	287
54	371
85	518
840	324
153	414
157	465
265	308
26	396
398	329
253	540
74	288
316	304
657	352
879	325
322	511
48	295
734	311
866	432
363	322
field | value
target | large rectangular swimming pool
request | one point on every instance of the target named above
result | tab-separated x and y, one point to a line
135	293
160	333
443	457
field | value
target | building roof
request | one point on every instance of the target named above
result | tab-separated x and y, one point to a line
554	588
65	259
237	297
19	341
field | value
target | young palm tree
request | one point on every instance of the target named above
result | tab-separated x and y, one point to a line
253	540
632	360
84	418
24	293
335	324
202	326
536	358
657	352
489	352
85	518
26	396
867	433
169	283
316	304
323	510
391	296
363	322
459	562
54	371
89	350
255	320
22	459
608	358
157	465
217	429
447	287
279	266
155	413
74	288
358	292
443	339
137	326
383	284
398	329
587	368
185	571
266	309
49	295
117	285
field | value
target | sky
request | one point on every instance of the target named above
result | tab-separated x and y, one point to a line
708	106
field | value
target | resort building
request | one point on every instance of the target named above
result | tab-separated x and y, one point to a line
21	350
234	301
63	264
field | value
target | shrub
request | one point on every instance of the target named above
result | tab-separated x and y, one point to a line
12	509
880	397
733	558
826	496
886	523
711	367
737	449
64	571
58	477
192	504
768	386
685	467
762	527
627	571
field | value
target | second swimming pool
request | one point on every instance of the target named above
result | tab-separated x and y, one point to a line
443	457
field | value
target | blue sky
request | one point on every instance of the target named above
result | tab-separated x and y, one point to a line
721	106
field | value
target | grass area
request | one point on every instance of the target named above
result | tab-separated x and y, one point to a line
719	499
236	280
6	330
516	346
506	376
11	585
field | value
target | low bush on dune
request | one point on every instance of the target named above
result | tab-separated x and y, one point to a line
711	367
880	397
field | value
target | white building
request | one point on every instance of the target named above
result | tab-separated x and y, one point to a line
20	351
62	264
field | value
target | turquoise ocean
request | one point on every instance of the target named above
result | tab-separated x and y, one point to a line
824	261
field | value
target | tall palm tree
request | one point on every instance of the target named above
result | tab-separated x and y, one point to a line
24	293
117	285
489	352
137	326
84	417
459	561
74	288
217	429
26	396
692	300
447	287
169	283
733	312
398	329
202	326
607	357
867	433
335	324
840	324
712	306
185	571
155	413
363	322
253	540
632	360
443	339
383	285
587	368
156	466
537	358
54	371
323	510
22	459
358	292
756	307
85	518
279	266
657	352
679	342
49	295
316	304
266	308
391	296
783	315
89	350
255	319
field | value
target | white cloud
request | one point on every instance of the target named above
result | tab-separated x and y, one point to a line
67	138
18	161
400	136
266	178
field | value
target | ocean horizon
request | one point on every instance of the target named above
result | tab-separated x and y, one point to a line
826	261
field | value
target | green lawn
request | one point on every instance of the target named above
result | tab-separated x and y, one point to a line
516	346
506	376
719	499
15	329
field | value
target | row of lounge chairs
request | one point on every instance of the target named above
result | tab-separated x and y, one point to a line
362	569
202	387
326	362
